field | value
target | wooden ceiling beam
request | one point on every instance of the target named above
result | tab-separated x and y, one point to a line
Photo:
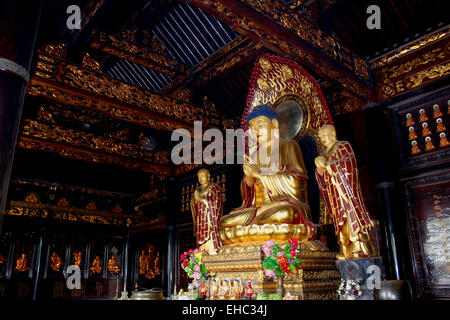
286	33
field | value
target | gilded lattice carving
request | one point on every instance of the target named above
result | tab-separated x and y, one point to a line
90	141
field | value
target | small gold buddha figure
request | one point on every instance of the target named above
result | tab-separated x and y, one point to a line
149	263
213	289
112	265
443	142
423	116
425	130
2	259
56	262
157	265
436	111
224	289
274	187
236	289
440	126
429	144
142	263
22	263
409	120
77	258
415	148
412	134
96	265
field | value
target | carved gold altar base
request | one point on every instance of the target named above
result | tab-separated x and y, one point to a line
318	278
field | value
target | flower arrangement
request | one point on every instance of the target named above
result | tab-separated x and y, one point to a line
191	262
192	293
280	260
349	288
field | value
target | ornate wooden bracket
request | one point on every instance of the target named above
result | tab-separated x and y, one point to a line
287	34
422	62
73	85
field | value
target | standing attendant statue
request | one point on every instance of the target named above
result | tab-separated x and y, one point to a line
338	180
206	207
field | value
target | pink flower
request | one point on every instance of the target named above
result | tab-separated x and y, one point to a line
197	267
196	251
190	251
280	254
183	256
196	275
269	273
270	243
267	250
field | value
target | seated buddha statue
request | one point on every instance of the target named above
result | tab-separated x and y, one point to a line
274	193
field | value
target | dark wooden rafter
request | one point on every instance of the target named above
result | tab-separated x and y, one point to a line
136	53
91	14
274	36
229	58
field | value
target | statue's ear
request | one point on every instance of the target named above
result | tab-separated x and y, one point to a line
275	123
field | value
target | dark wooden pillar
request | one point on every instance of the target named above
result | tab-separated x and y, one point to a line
171	250
19	21
383	159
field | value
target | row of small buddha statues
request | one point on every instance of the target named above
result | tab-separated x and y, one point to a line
149	265
423	117
187	193
227	290
96	267
427	133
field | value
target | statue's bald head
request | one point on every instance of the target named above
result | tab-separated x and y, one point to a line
327	134
203	176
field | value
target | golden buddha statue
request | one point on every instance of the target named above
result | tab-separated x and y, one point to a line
206	208
213	289
412	134
409	120
338	180
422	116
96	265
415	148
149	263
56	262
142	263
443	141
440	126
273	188
426	130
22	263
436	111
429	144
112	265
236	289
224	288
77	258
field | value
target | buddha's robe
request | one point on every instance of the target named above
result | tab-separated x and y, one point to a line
341	190
275	198
206	215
